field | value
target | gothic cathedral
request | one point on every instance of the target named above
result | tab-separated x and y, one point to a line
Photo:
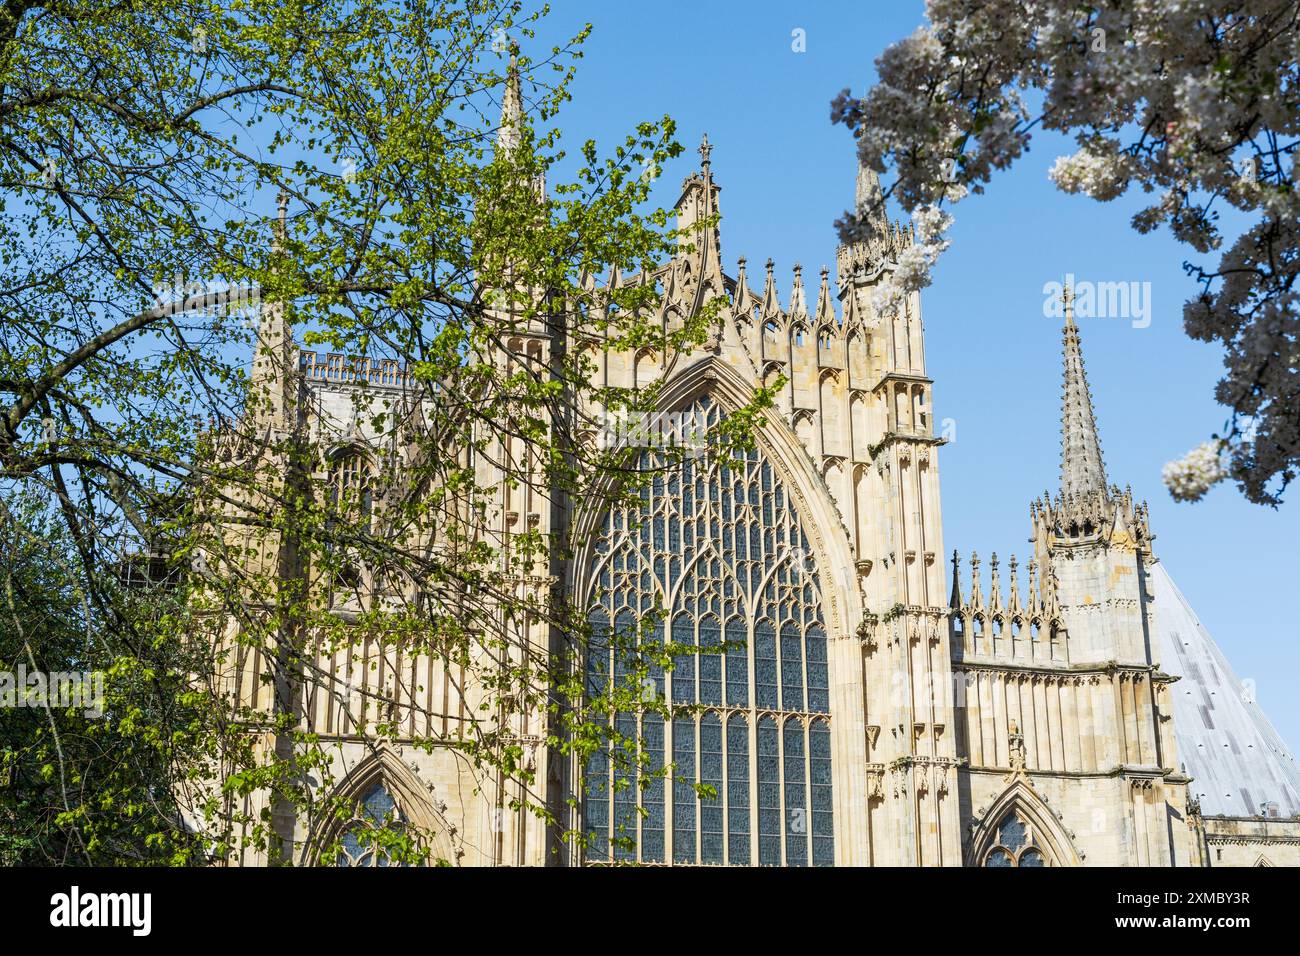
875	706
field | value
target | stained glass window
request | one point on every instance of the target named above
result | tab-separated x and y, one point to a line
721	553
796	807
1015	844
737	789
684	797
711	774
819	753
377	810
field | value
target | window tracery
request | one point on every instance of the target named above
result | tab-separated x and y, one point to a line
362	843
1015	844
350	503
721	555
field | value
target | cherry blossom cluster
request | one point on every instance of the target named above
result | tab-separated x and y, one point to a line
1195	102
1190	477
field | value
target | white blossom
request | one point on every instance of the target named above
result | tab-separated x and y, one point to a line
911	272
1101	177
1197	102
1190	477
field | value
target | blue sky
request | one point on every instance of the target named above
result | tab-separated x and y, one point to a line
729	69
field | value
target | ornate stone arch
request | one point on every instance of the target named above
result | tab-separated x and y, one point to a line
415	800
715	378
837	720
347	447
1021	800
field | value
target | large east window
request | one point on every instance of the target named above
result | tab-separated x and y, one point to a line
716	558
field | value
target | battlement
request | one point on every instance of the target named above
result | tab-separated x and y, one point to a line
334	369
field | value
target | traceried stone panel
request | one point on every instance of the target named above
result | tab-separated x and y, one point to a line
1015	846
721	555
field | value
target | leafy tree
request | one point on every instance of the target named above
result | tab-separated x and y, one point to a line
102	776
144	143
1196	103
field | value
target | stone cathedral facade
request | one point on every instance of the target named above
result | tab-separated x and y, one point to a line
879	704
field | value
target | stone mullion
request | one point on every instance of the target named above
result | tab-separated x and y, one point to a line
754	835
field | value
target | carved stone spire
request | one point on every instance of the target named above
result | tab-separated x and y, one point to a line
697	203
870	199
955	602
1013	603
1035	598
275	358
825	306
282	219
995	586
771	300
741	297
875	242
512	108
1082	469
798	301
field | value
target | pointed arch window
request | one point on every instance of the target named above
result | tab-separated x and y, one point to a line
350	499
751	721
350	482
1015	844
366	840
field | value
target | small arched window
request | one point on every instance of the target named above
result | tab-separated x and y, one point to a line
350	498
350	485
1015	844
376	827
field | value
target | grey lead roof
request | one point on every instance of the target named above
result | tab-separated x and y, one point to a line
1237	761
